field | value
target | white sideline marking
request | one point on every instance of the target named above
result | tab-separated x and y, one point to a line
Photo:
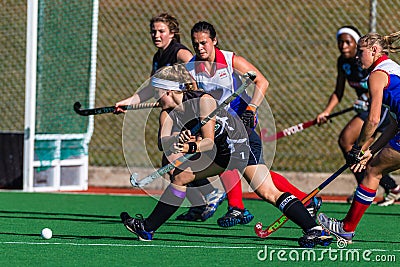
125	245
174	246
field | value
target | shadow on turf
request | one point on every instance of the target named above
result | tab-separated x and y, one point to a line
213	238
215	235
69	237
234	239
232	234
73	216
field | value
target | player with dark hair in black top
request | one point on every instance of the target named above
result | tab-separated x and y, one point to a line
167	56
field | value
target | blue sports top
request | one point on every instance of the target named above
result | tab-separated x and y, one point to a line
355	75
391	93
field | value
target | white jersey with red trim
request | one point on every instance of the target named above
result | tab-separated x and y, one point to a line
391	94
219	79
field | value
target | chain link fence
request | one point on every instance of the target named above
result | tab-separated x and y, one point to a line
292	42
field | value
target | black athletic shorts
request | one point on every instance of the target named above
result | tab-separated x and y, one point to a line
256	151
384	118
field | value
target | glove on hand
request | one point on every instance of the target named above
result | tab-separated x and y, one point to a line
354	155
249	116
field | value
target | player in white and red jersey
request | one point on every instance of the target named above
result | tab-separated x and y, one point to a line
382	156
349	70
217	72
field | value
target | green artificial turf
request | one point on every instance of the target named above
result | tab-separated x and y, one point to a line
87	232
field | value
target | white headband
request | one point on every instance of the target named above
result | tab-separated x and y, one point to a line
352	33
167	84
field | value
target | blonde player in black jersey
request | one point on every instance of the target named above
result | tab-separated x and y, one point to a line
165	34
223	144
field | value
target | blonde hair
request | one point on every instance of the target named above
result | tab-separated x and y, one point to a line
386	42
176	73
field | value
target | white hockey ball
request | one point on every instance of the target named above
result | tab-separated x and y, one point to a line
46	233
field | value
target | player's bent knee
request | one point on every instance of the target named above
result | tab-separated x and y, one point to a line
183	178
268	194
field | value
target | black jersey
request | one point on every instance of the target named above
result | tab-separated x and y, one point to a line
168	57
231	138
355	75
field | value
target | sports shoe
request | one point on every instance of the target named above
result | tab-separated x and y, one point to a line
193	214
315	236
213	200
335	227
392	197
235	216
136	226
314	206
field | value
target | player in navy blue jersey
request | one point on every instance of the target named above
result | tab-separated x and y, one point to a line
349	70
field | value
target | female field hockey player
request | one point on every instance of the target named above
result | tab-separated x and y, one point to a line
205	199
384	88
211	68
348	69
223	145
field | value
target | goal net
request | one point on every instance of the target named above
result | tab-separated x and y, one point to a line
61	68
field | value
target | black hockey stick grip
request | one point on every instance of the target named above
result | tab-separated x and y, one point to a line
340	112
110	109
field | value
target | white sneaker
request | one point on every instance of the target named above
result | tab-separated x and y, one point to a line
335	227
392	197
213	200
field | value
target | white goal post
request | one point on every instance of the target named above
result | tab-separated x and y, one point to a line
64	164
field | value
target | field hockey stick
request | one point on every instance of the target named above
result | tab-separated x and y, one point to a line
298	127
249	77
111	109
272	228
